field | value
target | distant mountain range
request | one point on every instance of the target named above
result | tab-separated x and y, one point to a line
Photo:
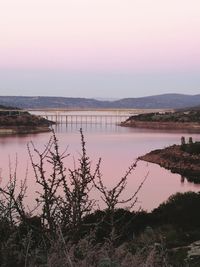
174	101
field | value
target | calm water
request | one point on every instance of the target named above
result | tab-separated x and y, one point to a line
117	146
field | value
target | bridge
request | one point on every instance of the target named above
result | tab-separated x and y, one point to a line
86	118
83	116
92	116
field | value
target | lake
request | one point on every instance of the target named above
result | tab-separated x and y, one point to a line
117	146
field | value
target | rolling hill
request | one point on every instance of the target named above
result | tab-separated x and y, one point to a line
174	101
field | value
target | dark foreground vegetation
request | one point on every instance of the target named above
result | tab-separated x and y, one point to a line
14	120
66	229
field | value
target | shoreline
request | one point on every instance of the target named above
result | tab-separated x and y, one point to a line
191	127
13	130
177	161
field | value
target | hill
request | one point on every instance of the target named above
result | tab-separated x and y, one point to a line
161	101
174	101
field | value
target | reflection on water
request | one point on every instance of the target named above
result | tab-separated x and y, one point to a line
117	146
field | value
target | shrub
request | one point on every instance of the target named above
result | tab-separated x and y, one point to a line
180	210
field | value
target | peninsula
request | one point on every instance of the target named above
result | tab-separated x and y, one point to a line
17	121
183	159
188	121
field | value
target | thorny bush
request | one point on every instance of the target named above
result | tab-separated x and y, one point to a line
63	203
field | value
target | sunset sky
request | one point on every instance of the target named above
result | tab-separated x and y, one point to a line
99	48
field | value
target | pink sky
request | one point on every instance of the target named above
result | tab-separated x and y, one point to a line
115	48
100	34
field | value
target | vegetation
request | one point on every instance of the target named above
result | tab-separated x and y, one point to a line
65	228
183	159
149	102
179	116
192	148
21	121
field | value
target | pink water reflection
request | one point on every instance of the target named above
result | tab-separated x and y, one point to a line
118	147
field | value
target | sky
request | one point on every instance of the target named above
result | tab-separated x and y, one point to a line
99	48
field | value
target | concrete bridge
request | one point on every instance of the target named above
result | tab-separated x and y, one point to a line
83	116
88	116
92	116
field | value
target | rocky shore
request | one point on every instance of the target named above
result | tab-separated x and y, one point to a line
176	160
